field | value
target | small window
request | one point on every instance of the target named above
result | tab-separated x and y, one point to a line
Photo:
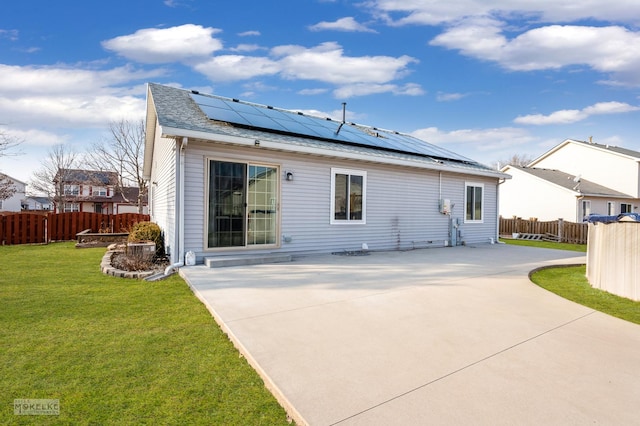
71	207
348	196
71	190
611	208
99	192
473	202
625	208
586	208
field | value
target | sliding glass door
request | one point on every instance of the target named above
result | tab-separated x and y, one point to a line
243	204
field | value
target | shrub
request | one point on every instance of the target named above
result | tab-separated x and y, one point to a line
148	231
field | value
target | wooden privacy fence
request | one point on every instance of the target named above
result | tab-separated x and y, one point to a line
565	232
38	228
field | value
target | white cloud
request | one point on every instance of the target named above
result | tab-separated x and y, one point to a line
483	145
249	33
327	62
574	115
176	44
613	49
435	12
237	67
448	97
318	91
246	48
10	34
479	28
362	89
348	24
79	97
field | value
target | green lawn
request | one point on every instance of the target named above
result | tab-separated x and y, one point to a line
571	283
116	351
546	244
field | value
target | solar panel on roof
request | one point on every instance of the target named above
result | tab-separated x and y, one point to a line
285	122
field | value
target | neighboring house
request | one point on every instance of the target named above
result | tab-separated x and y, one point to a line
571	181
94	191
128	202
227	176
37	204
13	203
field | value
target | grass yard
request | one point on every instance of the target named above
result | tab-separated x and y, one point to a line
116	351
571	283
546	244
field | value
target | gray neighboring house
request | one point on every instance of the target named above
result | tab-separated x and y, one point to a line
232	177
37	204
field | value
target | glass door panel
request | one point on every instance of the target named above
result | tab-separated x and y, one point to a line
262	205
227	204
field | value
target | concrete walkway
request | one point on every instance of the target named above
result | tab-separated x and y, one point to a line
435	336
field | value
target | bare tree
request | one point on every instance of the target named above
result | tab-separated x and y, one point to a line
7	187
7	143
123	153
50	178
514	160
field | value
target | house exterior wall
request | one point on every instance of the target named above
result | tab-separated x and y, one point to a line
33	204
402	204
129	208
162	191
14	203
597	165
526	196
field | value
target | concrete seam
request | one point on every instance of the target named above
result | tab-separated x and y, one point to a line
465	367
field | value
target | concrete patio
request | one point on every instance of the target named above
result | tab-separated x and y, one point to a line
454	335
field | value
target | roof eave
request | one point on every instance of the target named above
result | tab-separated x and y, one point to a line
149	135
280	146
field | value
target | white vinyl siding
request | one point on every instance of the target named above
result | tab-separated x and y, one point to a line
402	203
162	191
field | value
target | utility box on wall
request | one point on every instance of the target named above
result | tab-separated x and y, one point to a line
445	206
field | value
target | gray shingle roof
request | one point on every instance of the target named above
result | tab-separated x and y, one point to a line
566	180
176	109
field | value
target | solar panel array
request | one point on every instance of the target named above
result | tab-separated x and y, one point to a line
292	123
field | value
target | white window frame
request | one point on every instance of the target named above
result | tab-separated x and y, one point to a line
611	208
586	209
349	172
474	185
71	207
71	189
99	191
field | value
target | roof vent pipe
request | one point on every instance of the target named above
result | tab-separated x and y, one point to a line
344	117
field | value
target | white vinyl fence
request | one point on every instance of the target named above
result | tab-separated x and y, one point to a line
613	258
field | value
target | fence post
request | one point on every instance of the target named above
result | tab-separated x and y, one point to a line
561	230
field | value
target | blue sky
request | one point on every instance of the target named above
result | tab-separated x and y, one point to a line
484	78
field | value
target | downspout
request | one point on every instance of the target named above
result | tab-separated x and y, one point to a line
179	208
500	182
